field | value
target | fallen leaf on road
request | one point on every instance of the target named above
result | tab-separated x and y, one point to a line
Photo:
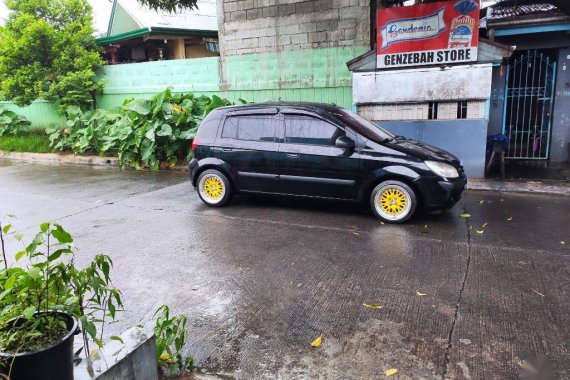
317	342
94	353
527	366
480	232
391	371
420	294
425	230
484	225
372	305
356	234
381	222
509	219
465	216
481	202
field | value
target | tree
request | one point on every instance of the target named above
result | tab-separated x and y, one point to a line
170	5
47	50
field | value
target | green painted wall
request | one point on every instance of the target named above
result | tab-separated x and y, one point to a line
135	80
313	68
316	75
40	113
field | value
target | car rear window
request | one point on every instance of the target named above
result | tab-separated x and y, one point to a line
251	128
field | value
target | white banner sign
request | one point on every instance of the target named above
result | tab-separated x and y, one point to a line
413	29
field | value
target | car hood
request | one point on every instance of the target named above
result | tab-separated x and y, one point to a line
423	151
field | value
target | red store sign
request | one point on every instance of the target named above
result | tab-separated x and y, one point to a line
429	34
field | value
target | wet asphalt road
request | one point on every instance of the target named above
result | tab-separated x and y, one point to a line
261	278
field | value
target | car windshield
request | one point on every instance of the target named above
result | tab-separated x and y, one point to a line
364	127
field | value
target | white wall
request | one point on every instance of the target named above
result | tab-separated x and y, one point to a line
461	82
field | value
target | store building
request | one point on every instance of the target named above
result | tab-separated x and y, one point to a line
431	84
531	92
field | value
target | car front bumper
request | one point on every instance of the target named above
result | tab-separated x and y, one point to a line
440	193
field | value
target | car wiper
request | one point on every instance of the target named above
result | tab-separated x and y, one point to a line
396	137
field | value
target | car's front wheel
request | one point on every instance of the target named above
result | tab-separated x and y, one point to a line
214	188
393	201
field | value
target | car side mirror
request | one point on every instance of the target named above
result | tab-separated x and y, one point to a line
345	142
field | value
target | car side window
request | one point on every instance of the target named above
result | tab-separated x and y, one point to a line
310	130
251	128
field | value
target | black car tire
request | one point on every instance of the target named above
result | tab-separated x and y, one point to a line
214	188
393	201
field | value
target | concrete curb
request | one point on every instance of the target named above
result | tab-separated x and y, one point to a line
536	187
69	158
133	357
60	158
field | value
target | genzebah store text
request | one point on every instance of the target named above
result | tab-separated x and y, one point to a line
429	34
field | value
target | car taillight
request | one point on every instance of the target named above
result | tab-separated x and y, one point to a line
195	143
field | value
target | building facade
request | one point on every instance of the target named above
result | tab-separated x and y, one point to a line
531	92
137	33
291	49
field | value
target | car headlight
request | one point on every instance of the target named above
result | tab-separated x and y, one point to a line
442	169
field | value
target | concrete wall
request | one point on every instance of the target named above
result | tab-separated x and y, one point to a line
559	151
262	26
305	75
291	49
461	82
464	138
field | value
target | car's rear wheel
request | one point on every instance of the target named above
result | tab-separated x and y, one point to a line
393	201
214	188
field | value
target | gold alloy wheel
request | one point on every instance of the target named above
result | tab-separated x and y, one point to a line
393	202
212	188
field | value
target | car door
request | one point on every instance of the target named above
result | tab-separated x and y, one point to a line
248	146
311	164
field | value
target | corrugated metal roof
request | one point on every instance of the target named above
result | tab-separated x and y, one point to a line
203	18
505	11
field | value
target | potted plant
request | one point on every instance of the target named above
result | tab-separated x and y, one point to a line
45	300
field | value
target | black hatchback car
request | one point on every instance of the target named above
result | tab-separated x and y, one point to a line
321	151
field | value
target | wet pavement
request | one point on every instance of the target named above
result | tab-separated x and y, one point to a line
262	278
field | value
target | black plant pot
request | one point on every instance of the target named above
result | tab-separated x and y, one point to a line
54	362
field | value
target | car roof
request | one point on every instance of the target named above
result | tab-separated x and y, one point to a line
318	108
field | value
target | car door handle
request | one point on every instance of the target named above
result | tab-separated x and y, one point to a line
227	149
293	155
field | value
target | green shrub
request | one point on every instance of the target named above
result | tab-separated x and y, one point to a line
142	132
84	131
11	123
170	332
